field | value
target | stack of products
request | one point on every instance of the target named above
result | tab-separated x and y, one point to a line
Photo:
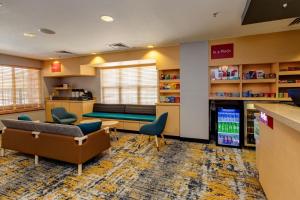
249	93
169	99
169	77
170	86
296	68
225	73
289	81
226	94
283	95
258	74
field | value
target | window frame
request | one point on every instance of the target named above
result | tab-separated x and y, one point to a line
139	86
18	108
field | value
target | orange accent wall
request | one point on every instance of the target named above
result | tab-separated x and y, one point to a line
264	48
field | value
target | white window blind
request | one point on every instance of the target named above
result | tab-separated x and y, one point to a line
132	85
20	89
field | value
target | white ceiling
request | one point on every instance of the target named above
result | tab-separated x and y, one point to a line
138	23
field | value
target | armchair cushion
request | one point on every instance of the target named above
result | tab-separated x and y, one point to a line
87	128
24	118
61	116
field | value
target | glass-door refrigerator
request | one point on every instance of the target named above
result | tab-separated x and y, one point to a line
229	126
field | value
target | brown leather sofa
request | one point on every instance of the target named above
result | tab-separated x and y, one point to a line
55	141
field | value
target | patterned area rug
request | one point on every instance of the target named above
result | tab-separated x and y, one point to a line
181	170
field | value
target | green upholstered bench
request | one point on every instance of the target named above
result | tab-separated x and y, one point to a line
130	117
122	116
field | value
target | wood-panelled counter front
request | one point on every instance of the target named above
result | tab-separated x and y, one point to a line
278	151
76	107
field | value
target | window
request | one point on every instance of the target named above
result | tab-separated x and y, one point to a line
131	85
19	89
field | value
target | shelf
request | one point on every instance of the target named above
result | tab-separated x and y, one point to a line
287	85
168	104
225	81
285	99
169	91
225	98
259	81
285	73
249	145
61	88
170	81
251	98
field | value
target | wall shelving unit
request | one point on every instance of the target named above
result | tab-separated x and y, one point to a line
169	87
272	89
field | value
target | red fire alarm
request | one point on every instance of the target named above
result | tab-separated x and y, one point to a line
56	66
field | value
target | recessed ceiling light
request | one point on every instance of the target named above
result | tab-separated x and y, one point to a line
1	4
150	46
29	34
215	14
46	31
284	5
94	53
107	18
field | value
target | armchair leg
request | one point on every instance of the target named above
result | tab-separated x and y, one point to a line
79	169
162	136
156	141
2	152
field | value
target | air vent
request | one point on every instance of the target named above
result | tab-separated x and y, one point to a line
118	46
295	22
64	52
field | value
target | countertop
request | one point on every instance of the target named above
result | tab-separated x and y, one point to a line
287	114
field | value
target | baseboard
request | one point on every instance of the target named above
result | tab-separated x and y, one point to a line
203	141
173	137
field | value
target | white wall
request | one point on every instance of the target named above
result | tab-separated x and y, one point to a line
194	115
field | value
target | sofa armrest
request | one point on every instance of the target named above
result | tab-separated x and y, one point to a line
95	143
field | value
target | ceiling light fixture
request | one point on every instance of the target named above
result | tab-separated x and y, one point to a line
46	31
29	35
284	5
1	4
107	18
94	53
150	46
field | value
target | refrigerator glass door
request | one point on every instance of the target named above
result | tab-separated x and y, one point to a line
228	127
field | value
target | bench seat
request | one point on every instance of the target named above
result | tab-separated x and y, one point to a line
121	116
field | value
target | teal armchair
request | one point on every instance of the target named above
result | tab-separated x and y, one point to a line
61	116
156	128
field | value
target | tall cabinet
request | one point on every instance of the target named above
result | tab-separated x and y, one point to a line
169	99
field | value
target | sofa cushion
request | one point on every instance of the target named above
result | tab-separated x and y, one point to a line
60	129
109	108
24	118
121	116
140	109
87	128
19	124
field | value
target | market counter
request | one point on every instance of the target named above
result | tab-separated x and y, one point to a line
278	151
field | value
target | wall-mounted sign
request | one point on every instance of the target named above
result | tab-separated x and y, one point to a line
56	66
222	51
267	120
